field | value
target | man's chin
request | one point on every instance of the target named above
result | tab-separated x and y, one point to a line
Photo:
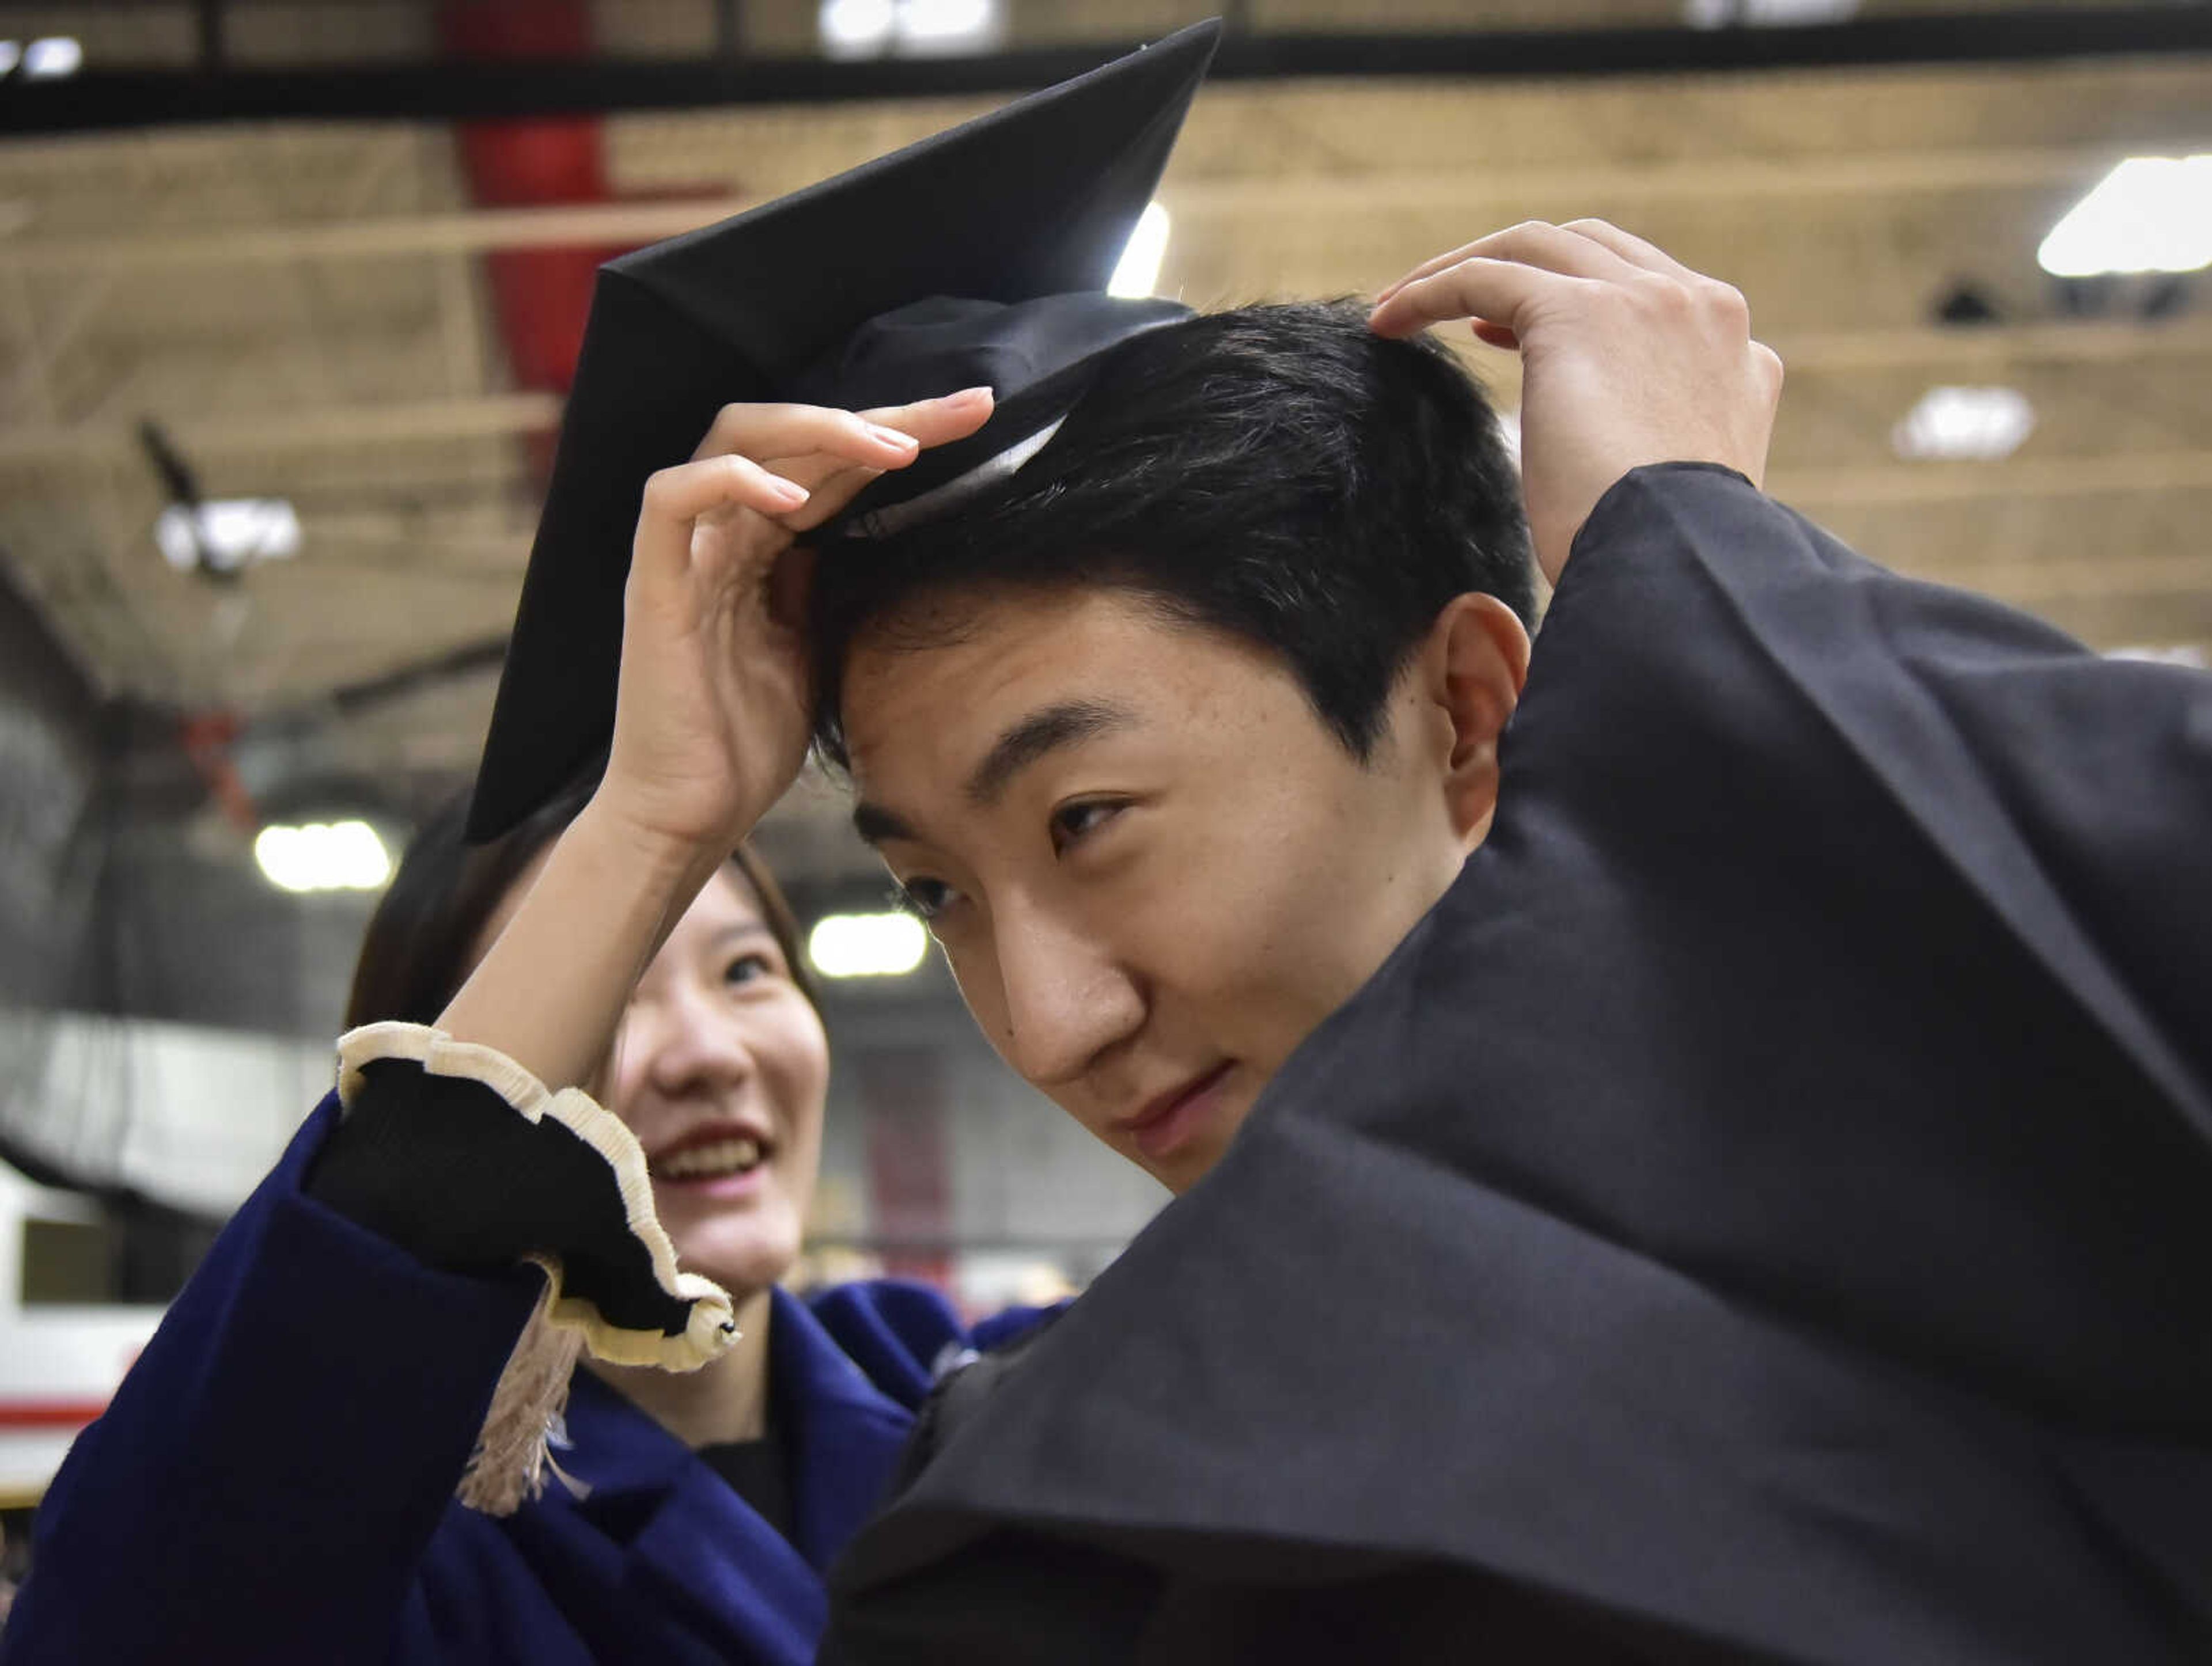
1181	1170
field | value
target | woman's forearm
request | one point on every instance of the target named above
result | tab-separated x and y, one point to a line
550	992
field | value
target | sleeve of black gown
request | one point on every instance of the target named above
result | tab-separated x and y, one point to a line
1916	884
2071	793
1763	1209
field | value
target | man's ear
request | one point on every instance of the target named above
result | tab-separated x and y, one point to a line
1473	664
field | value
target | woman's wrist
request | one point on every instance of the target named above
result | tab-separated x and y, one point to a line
550	991
640	859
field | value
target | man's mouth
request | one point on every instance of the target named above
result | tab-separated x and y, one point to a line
1164	1124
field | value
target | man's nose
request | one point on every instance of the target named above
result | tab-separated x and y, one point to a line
1068	999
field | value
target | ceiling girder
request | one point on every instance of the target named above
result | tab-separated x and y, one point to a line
98	98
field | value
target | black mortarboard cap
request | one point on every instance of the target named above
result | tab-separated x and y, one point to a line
980	255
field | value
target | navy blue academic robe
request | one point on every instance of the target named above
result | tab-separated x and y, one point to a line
274	1480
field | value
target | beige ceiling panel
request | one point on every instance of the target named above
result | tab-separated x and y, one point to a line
364	386
262	33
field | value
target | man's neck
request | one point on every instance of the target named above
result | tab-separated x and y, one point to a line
723	1401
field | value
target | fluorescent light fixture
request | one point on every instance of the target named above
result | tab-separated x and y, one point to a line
1139	268
11	54
322	855
866	945
1764	14
52	58
227	533
910	28
857	28
1952	422
948	26
2151	213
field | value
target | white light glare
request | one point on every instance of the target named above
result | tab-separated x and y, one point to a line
866	945
1139	268
2151	213
1764	14
52	58
11	54
1983	423
2177	653
230	533
913	29
1509	434
322	855
948	25
856	28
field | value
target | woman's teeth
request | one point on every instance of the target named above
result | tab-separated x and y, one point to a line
711	1162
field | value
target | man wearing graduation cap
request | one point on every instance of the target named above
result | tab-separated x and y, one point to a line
1717	1169
1755	1204
1702	1156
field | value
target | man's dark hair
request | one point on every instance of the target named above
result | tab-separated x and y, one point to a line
1277	472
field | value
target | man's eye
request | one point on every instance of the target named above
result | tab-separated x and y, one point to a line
924	898
1072	822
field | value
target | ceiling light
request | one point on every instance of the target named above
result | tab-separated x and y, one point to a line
322	855
1764	14
866	945
2151	213
1950	422
913	29
52	58
227	533
856	28
11	54
1139	268
947	25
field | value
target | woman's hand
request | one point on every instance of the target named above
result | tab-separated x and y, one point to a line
711	718
712	708
1628	357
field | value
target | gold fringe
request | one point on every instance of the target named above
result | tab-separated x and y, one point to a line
514	1452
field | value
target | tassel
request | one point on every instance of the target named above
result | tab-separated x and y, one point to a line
526	1420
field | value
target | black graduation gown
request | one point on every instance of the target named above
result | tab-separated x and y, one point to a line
1763	1212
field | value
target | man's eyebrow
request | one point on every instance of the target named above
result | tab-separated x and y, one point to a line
1044	731
875	824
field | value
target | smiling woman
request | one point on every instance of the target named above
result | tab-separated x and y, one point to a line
692	1511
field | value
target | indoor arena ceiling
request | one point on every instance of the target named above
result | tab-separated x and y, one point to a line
301	307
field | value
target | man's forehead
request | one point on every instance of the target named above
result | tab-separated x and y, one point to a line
942	680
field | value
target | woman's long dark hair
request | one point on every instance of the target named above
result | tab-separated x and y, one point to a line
417	951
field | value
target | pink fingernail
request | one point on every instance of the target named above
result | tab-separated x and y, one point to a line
967	394
905	442
792	491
